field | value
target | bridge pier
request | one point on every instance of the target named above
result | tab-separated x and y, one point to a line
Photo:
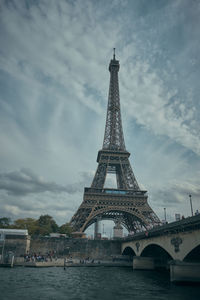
181	271
143	263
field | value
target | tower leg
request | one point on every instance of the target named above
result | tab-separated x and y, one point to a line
97	229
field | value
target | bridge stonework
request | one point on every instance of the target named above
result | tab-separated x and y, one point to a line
177	245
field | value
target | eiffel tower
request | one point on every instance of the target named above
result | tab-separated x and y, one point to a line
127	203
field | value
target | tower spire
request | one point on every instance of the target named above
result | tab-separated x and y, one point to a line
113	53
113	136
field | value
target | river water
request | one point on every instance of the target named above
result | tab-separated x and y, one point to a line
90	283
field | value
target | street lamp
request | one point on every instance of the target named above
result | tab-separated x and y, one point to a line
3	246
191	204
165	218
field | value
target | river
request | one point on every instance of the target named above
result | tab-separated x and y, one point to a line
90	283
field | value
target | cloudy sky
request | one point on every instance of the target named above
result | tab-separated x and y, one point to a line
54	80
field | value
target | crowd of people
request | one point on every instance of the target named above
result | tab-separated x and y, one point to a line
34	257
87	260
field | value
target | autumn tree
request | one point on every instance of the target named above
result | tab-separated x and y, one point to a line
46	225
28	223
66	228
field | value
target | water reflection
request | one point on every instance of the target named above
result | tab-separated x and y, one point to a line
90	283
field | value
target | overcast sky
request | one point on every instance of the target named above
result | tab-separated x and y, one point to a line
54	80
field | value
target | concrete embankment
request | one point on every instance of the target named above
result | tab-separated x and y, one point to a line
76	248
60	262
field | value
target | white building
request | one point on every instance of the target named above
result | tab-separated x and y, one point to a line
12	232
117	230
15	240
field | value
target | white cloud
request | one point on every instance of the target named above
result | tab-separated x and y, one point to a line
54	85
148	102
25	182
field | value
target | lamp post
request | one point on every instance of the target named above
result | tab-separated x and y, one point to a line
165	217
2	253
191	204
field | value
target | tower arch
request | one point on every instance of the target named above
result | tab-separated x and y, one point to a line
104	213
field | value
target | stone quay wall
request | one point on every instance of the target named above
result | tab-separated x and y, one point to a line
18	245
76	248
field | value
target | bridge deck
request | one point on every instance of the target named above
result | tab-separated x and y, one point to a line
187	224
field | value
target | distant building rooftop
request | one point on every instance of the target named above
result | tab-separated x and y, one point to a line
57	235
22	232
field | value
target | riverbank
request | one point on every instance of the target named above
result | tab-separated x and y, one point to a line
62	262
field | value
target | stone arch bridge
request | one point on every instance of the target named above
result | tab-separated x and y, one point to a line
174	245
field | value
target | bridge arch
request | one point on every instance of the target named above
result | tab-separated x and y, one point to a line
158	253
155	250
193	255
129	251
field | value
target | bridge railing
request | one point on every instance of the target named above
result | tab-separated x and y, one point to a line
190	223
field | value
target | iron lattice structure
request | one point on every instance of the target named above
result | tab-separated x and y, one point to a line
127	202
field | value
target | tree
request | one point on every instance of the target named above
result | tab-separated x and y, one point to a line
46	225
66	228
28	223
43	226
5	222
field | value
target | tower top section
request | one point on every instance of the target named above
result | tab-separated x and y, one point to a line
113	137
114	64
